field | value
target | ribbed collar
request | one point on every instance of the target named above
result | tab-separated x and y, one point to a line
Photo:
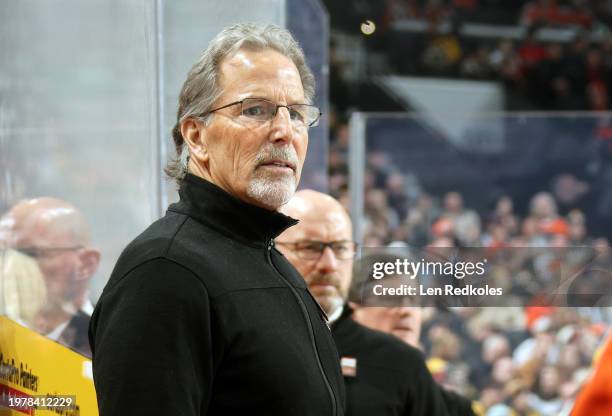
212	206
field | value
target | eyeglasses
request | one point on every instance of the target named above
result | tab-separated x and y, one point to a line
312	250
40	252
262	110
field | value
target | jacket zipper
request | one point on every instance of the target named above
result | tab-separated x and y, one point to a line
311	329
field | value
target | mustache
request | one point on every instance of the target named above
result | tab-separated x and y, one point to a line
324	279
270	153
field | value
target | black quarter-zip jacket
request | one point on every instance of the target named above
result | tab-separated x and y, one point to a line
203	316
390	377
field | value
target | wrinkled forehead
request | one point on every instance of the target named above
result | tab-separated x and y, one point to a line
265	73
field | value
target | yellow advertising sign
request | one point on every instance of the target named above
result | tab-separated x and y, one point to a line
41	377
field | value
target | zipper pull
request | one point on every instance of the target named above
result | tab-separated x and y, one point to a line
270	244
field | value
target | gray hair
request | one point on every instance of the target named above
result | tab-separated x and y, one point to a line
201	88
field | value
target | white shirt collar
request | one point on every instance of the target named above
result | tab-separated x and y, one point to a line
87	307
333	317
55	333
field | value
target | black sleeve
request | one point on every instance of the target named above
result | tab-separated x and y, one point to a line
456	404
152	343
427	399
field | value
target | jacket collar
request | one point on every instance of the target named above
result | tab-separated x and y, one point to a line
347	312
212	206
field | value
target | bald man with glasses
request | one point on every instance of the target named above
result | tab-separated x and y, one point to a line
383	376
54	233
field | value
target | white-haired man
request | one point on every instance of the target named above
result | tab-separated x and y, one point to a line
202	315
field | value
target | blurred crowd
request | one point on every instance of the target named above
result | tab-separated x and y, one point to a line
550	75
532	359
585	14
569	70
554	13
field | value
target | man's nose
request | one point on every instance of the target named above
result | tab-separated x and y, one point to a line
328	261
411	312
405	311
282	127
401	311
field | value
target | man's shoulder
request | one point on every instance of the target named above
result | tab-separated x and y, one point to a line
158	241
213	258
155	241
376	347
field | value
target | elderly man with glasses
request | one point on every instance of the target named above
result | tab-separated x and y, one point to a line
202	315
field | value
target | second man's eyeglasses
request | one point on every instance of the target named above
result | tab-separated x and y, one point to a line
312	249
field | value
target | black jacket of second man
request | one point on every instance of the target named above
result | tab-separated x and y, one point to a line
203	316
385	377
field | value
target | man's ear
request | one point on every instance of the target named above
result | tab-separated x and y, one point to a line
90	260
194	134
